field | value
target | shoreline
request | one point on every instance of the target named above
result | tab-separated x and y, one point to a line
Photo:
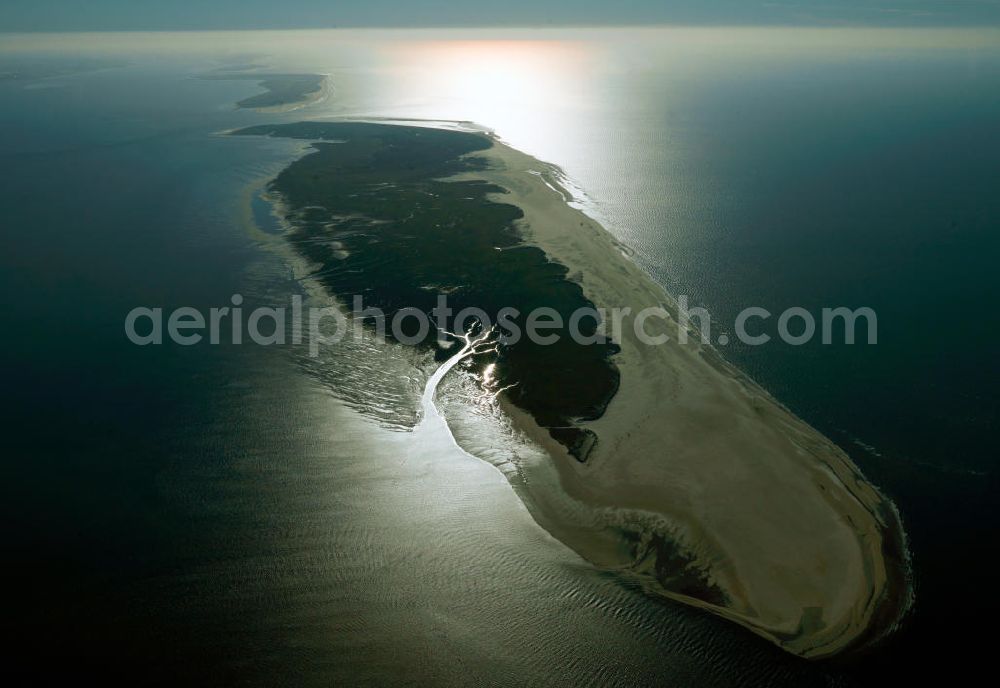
807	553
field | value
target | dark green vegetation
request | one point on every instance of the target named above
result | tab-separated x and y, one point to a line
373	211
282	89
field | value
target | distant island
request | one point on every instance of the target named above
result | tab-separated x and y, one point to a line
283	91
671	464
13	68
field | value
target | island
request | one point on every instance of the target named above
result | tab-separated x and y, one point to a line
670	465
282	91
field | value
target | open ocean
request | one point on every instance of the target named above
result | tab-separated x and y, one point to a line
242	514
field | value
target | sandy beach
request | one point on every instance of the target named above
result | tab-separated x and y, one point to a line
772	515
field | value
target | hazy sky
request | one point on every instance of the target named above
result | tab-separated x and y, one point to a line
74	15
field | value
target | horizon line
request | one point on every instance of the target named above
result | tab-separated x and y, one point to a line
521	27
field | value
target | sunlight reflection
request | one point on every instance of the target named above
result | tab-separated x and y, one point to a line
521	88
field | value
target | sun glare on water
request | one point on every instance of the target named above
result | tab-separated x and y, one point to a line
501	84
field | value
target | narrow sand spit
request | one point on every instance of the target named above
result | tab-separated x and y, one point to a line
776	519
